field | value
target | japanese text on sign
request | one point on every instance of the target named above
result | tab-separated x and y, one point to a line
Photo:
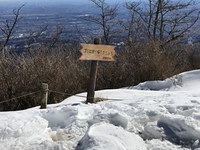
97	52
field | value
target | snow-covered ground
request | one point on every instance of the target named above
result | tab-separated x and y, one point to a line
154	115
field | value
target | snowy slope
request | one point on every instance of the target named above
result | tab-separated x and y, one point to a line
188	81
154	115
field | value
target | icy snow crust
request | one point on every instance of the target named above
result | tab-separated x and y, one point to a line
154	115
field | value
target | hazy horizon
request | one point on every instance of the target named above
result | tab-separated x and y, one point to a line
53	1
18	3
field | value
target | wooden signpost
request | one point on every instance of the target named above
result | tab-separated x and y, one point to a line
95	52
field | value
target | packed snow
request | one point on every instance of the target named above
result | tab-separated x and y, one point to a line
154	115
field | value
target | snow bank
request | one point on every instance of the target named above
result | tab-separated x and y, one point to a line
24	130
179	128
164	116
154	85
103	136
188	81
185	81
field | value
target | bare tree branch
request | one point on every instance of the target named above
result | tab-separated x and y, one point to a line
106	19
7	27
166	20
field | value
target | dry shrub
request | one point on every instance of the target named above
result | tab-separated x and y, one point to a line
64	73
21	75
142	62
193	56
154	62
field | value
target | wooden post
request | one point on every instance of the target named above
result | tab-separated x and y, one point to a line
92	80
44	96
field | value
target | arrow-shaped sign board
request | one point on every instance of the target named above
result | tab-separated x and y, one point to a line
97	52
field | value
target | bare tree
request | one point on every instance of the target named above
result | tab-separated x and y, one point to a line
7	27
106	19
165	20
34	36
56	35
133	24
